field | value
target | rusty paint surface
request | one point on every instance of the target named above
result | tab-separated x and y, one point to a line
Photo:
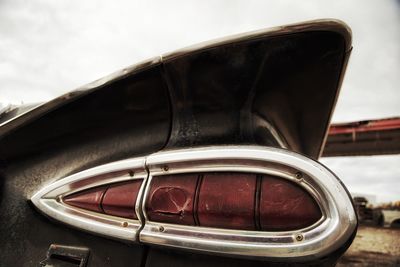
365	126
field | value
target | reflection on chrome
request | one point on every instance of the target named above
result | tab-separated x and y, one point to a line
335	226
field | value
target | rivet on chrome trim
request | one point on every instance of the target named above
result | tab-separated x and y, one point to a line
299	237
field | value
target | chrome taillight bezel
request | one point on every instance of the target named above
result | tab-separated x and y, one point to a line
336	226
49	199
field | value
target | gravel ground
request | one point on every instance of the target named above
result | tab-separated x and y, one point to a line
373	247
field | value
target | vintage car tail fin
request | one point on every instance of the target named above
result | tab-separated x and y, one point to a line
275	87
210	148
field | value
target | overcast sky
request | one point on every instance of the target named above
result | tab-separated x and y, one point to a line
50	47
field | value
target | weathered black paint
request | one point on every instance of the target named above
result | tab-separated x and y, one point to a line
224	95
220	95
128	118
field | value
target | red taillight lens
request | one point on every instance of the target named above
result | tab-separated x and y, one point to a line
226	200
239	201
116	199
88	199
286	206
119	200
171	199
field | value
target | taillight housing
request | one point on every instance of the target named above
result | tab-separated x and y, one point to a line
247	201
103	200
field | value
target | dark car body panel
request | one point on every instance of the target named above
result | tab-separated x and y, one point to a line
228	92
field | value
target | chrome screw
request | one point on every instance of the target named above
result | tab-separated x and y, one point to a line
299	175
299	237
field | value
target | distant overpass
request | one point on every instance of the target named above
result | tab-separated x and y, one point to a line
363	138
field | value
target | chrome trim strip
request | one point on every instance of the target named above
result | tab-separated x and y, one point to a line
49	199
328	234
275	133
110	226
